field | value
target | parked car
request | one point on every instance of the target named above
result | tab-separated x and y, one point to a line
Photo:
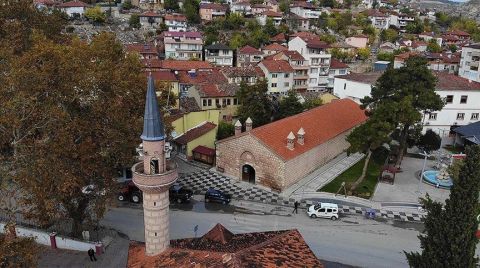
213	195
323	210
129	191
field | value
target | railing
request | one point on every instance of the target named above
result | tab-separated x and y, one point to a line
153	181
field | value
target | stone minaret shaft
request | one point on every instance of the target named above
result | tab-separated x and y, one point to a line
154	177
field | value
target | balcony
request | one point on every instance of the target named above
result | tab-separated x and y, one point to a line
154	182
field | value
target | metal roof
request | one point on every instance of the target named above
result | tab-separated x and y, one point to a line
153	129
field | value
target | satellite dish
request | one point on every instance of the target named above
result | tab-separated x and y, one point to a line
174	134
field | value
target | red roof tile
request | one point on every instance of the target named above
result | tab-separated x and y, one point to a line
219	234
195	133
186	65
249	50
366	78
214	6
306	36
270	13
147	48
321	124
279	38
277	66
448	81
458	33
275	47
163	75
175	17
336	64
204	150
149	14
217	90
74	3
209	76
317	44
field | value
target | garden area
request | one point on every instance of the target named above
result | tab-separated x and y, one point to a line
367	186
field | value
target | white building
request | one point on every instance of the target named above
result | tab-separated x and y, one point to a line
276	17
379	20
176	22
318	59
150	19
183	45
243	8
336	68
469	62
219	55
305	10
248	55
74	9
279	75
401	20
461	97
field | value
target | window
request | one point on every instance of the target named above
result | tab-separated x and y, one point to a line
287	75
217	102
235	101
433	116
460	116
204	102
314	70
329	210
209	102
474	116
229	102
343	71
449	99
286	84
322	210
224	102
463	99
274	84
313	80
225	52
274	75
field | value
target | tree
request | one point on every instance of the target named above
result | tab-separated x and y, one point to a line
289	105
95	14
328	38
386	56
172	5
134	21
414	27
453	48
17	251
451	229
389	35
225	130
255	103
366	138
127	5
433	46
430	141
284	6
191	11
400	96
363	53
71	114
311	103
270	28
237	41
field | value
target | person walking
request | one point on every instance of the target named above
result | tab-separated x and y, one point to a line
91	254
295	205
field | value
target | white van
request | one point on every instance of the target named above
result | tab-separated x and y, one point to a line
323	210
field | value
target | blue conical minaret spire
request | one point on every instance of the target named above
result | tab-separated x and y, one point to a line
153	129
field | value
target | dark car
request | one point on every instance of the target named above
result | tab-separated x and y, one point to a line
213	195
129	191
180	194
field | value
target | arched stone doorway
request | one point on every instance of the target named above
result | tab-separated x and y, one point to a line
248	174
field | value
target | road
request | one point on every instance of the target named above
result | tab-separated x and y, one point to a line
352	240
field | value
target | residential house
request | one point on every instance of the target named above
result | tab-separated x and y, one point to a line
470	62
299	65
258	9
210	11
442	62
144	51
44	4
248	55
194	129
343	47
272	4
219	54
167	81
279	75
237	75
74	9
461	35
305	10
150	19
273	49
387	47
279	39
176	22
217	96
276	17
336	68
243	8
419	46
427	36
460	95
194	77
466	135
288	149
318	58
379	20
296	22
358	41
183	45
401	20
152	5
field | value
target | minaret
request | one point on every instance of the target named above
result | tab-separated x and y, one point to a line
154	176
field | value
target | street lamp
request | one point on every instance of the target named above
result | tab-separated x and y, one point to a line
425	155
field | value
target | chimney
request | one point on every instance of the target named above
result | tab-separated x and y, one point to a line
238	128
248	124
301	136
290	141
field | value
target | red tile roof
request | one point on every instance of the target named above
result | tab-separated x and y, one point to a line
458	33
214	6
195	133
149	14
317	44
321	124
249	50
74	3
277	66
306	36
204	150
163	75
263	249
270	13
279	38
293	55
366	78
217	90
275	47
448	81
175	17
183	34
147	48
185	65
336	64
209	76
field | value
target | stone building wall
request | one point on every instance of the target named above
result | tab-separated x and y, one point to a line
232	154
300	166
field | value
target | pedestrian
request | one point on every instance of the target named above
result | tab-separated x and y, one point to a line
91	254
295	205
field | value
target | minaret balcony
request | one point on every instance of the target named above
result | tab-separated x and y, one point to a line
154	182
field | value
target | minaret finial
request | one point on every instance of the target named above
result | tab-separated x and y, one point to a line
153	129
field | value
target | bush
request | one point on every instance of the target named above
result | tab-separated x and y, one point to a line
225	130
134	21
127	5
430	141
70	29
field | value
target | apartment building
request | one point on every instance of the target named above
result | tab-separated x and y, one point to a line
279	75
219	55
211	11
183	45
470	62
176	22
299	65
248	55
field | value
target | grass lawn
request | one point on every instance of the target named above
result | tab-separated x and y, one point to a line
364	189
454	150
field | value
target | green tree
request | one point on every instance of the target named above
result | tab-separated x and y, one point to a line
237	41
363	53
127	5
95	14
430	141
284	6
289	105
311	103
433	46
453	48
134	21
414	27
400	96
451	230
329	38
386	56
389	35
225	130
270	28
255	103
191	10
172	5
366	138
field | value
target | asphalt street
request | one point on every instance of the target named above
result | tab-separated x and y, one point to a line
351	240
